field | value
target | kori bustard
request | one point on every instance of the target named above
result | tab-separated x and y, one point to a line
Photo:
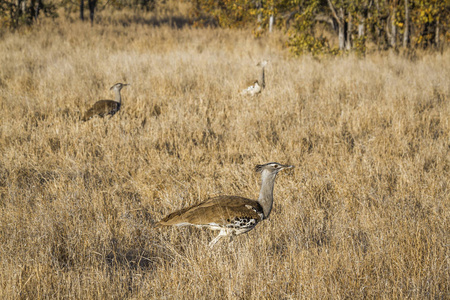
256	86
231	215
106	107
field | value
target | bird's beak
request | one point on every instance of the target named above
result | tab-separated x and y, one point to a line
288	167
123	84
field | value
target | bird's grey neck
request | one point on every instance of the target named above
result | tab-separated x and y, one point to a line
118	97
266	194
262	79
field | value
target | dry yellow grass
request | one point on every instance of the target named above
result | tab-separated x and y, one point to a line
365	214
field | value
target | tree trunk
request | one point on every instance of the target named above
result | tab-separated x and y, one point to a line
436	38
339	16
39	5
271	23
393	39
349	32
406	31
23	6
361	29
259	17
341	30
32	9
381	30
92	4
82	10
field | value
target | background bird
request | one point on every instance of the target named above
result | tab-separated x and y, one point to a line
257	85
232	215
106	107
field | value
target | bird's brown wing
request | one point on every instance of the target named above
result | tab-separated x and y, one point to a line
219	210
100	108
248	83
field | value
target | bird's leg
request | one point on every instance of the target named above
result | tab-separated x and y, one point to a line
232	237
214	241
217	238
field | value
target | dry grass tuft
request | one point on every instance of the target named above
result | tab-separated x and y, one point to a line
364	215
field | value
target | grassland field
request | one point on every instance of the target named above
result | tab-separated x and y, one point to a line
364	215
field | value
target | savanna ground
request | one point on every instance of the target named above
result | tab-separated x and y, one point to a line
365	213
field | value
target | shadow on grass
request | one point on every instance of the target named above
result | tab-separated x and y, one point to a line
145	259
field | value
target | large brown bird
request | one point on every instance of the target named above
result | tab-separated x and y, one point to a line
106	107
232	215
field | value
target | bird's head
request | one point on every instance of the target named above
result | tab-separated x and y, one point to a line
263	63
271	168
118	86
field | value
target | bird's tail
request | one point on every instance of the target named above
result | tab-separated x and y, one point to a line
157	225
